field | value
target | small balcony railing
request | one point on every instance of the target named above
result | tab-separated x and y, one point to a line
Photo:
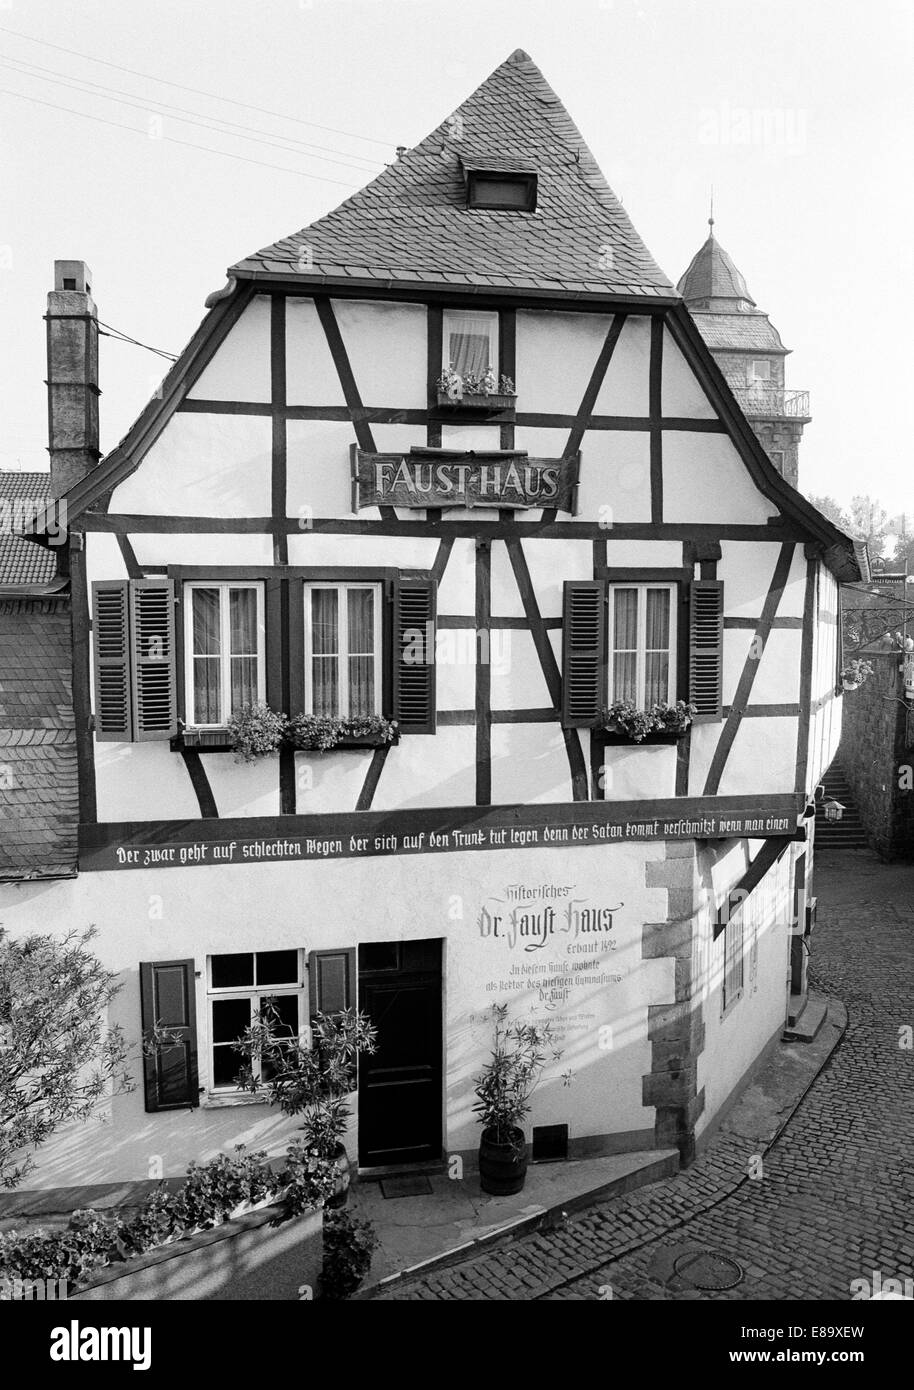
772	403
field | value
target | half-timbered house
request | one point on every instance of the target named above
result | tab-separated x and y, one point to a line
455	457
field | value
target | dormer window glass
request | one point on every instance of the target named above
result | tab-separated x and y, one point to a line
760	370
509	191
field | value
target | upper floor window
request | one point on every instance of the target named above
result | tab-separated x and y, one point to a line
642	640
760	370
343	650
470	344
498	190
224	652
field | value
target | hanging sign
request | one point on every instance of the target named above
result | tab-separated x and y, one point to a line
451	478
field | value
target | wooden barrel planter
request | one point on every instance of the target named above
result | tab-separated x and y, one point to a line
502	1164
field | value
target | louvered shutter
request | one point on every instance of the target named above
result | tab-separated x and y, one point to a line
583	652
110	630
706	648
170	1077
152	633
331	981
414	655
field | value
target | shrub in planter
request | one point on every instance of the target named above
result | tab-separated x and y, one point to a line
87	1243
503	1091
624	717
314	1081
308	1180
349	1243
255	731
855	673
322	732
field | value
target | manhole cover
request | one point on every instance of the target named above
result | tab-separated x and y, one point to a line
706	1269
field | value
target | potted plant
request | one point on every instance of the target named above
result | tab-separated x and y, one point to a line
486	392
503	1091
855	673
662	721
255	731
312	1079
309	732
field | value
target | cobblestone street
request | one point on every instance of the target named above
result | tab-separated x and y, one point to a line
833	1202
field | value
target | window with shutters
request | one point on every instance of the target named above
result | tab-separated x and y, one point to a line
343	650
241	985
224	665
733	959
706	638
642	643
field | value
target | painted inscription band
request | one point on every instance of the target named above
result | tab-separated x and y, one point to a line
170	844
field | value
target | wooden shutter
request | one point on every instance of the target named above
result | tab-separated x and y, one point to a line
170	1067
583	652
706	648
110	631
152	634
331	981
414	655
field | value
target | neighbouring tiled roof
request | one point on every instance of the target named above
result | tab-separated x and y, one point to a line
741	332
712	275
39	804
412	223
21	561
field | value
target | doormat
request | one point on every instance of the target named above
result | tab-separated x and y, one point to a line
414	1185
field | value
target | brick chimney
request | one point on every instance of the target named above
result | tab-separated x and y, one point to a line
72	376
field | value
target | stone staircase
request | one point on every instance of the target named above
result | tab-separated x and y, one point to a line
847	833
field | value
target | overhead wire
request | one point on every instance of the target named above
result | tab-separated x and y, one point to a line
196	91
119	336
187	117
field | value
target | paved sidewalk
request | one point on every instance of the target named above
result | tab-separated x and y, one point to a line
832	1199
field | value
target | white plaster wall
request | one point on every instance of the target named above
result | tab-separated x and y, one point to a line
430	770
636	554
457	590
240	367
733	1043
455	670
103	558
615	478
330	781
552	562
317	469
680	391
763	758
747	569
639	773
777	675
625	389
506	599
143	781
168	914
529	764
399	552
705	480
556	354
387	348
517	678
243	789
202	548
311	377
203	465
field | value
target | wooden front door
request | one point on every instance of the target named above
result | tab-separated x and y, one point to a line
400	1085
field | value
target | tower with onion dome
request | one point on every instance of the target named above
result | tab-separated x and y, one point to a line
748	349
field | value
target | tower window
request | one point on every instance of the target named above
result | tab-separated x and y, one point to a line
504	191
760	370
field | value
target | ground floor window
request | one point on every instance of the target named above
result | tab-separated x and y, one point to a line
241	985
733	960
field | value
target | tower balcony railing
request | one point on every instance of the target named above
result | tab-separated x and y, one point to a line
772	403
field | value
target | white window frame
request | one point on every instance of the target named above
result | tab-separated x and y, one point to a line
343	653
641	659
450	319
755	375
253	994
225	670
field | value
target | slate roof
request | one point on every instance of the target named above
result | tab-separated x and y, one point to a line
23	562
713	275
739	332
412	223
39	803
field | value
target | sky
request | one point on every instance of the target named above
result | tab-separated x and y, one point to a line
799	113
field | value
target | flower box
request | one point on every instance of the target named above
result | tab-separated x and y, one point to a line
377	740
612	737
478	401
216	740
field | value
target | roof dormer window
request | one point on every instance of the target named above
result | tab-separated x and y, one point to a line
499	184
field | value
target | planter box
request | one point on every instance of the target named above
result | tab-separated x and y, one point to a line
655	736
355	741
216	740
248	1258
496	401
